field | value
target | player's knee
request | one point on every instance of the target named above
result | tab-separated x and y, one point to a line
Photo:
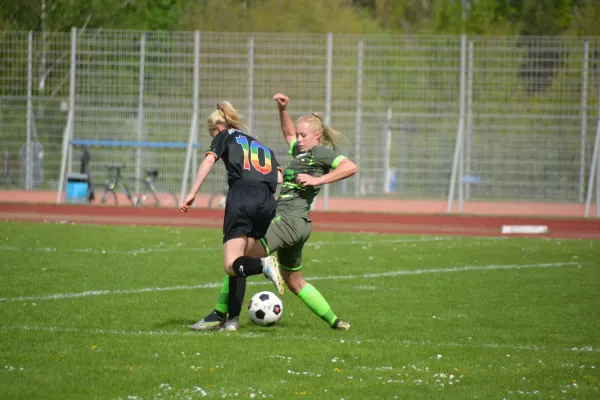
256	250
229	269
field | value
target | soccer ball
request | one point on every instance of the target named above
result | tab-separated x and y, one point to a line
265	309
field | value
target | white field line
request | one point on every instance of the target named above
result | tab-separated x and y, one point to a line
165	249
253	335
61	296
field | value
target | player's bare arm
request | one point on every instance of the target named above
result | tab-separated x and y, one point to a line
287	125
203	171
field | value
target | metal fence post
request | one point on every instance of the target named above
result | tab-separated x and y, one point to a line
584	89
28	143
469	137
193	136
71	116
598	180
195	102
358	137
250	84
594	166
328	79
387	149
461	174
140	120
461	124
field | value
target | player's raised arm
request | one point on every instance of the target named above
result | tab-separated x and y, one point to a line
287	125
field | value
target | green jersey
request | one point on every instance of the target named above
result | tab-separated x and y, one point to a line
295	199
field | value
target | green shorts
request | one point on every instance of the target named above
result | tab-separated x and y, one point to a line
286	236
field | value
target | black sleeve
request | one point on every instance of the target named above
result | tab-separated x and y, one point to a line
218	146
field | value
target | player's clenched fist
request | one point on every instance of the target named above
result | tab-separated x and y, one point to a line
282	100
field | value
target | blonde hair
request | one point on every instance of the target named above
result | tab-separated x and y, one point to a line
226	115
328	136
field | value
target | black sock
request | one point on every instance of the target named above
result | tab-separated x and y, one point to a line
247	266
215	316
237	291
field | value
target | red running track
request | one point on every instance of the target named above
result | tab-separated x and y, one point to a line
414	224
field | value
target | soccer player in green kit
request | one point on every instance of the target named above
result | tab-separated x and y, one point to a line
313	164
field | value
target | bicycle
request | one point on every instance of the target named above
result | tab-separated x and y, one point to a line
150	197
106	194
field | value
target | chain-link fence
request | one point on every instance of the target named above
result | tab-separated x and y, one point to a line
529	106
534	107
34	72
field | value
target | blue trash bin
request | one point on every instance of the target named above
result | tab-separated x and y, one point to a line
77	188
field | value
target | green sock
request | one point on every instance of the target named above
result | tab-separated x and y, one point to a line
223	297
317	303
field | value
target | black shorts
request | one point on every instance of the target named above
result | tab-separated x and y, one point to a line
249	209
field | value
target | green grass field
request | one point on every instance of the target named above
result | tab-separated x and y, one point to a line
102	312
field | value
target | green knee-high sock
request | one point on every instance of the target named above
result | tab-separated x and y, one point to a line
317	303
223	297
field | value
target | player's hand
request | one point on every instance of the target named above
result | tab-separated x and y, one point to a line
189	200
307	180
282	101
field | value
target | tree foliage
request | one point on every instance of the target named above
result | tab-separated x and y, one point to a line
508	17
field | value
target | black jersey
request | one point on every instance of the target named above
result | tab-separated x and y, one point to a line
245	158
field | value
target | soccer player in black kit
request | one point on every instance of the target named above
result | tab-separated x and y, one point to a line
252	176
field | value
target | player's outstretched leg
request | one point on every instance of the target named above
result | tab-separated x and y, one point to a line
314	300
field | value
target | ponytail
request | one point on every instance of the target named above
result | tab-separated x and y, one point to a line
226	115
